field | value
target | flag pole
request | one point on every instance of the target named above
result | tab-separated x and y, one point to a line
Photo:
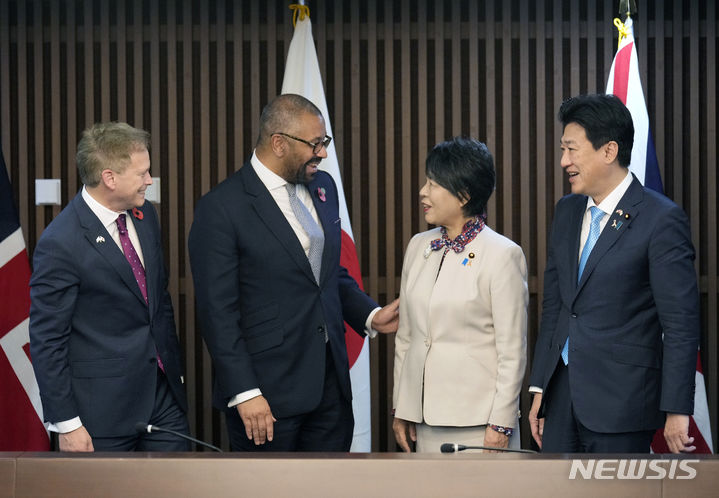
627	7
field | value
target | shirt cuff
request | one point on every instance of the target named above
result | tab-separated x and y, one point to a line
242	397
372	333
65	426
535	389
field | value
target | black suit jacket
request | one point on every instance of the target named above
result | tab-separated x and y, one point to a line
639	283
93	339
261	312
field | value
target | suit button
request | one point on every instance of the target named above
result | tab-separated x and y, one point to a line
427	342
321	329
153	360
574	315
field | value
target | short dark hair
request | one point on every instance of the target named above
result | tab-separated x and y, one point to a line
464	166
282	113
604	118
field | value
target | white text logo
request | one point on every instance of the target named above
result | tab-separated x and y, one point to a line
633	469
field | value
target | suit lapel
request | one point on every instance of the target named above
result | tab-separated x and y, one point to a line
271	215
616	227
100	239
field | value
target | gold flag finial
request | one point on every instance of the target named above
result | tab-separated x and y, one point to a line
303	11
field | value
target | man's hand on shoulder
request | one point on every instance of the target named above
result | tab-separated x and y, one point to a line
78	440
257	417
387	319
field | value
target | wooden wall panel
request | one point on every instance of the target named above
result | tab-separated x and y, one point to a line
399	76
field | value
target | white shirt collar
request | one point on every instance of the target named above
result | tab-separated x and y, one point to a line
609	204
269	178
107	216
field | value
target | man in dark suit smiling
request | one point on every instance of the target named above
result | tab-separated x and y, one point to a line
272	296
102	331
616	353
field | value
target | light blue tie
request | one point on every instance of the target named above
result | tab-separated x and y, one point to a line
312	229
594	231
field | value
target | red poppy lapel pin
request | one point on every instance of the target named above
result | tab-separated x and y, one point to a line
137	213
321	194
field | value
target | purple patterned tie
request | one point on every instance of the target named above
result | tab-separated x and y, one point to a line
135	264
131	255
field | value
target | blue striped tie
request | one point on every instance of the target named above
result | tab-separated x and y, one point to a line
594	231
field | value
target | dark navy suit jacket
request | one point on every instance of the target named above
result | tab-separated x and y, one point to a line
639	283
93	339
261	312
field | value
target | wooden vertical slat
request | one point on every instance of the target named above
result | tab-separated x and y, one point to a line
138	117
241	150
678	104
544	169
695	177
456	68
474	70
558	96
24	183
710	356
592	84
198	383
504	169
392	67
6	137
273	86
252	77
73	182
205	185
423	124
525	180
89	64
490	83
121	61
204	104
372	158
335	99
158	165
439	125
221	91
608	38
657	127
574	48
104	62
355	136
55	119
39	109
171	204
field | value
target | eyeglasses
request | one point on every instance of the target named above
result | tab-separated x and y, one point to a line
316	147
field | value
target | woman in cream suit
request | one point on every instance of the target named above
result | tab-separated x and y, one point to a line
460	351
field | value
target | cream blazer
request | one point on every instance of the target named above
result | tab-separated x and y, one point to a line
460	350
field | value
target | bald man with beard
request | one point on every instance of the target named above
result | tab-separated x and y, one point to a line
272	297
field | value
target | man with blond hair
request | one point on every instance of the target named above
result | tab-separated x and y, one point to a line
102	331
